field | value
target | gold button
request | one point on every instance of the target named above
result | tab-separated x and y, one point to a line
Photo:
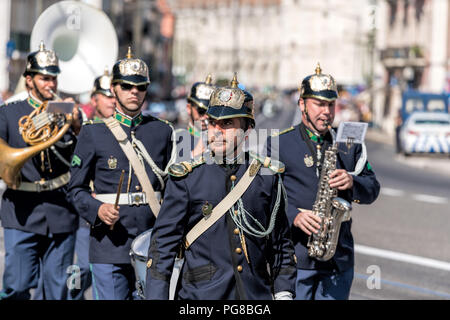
149	263
233	178
236	231
238	250
138	188
236	212
239	268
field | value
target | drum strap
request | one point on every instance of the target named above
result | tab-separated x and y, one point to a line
138	167
223	206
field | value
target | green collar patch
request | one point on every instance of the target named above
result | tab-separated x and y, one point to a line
128	121
194	132
33	103
313	137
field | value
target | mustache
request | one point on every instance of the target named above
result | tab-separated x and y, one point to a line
213	139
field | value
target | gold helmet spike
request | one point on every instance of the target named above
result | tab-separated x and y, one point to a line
106	71
208	79
42	46
318	69
129	54
234	82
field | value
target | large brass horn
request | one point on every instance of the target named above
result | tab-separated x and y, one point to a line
84	40
13	159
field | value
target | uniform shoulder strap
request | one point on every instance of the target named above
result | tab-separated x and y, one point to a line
138	168
223	206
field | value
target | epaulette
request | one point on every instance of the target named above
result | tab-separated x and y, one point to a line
274	165
282	132
92	121
164	120
4	104
180	169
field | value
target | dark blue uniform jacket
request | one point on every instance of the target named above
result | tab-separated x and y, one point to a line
45	212
97	148
301	183
212	268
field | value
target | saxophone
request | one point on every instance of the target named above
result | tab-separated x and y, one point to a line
331	209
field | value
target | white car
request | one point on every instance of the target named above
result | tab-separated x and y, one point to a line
426	132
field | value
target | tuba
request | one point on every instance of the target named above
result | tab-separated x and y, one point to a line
331	209
84	39
66	27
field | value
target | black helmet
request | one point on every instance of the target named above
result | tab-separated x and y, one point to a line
231	102
42	61
201	92
320	86
102	84
130	70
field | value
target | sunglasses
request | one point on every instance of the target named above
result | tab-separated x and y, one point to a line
201	111
127	86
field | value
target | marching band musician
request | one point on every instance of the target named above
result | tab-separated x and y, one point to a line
139	146
302	149
248	230
104	102
38	221
102	99
190	142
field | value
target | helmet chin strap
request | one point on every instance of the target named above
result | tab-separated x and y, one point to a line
40	96
309	119
120	102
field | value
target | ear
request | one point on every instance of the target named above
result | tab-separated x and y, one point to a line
189	108
111	87
29	81
93	100
301	103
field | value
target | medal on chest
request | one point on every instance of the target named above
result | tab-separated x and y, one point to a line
112	163
309	161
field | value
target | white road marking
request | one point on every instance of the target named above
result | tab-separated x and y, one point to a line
417	196
392	192
403	257
429	198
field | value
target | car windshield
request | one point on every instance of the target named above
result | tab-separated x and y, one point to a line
432	121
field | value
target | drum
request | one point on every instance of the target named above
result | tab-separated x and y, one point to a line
139	257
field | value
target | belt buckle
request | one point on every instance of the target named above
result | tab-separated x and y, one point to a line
136	199
42	185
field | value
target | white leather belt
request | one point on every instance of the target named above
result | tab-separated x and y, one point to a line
134	198
45	185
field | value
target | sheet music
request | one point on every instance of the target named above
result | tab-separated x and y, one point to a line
354	132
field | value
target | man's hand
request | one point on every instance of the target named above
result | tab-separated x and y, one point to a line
307	221
76	124
108	214
341	180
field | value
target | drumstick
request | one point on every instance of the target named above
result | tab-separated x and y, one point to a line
119	189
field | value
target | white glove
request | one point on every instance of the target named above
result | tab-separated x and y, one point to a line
284	295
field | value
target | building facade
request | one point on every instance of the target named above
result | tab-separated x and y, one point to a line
414	53
271	42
